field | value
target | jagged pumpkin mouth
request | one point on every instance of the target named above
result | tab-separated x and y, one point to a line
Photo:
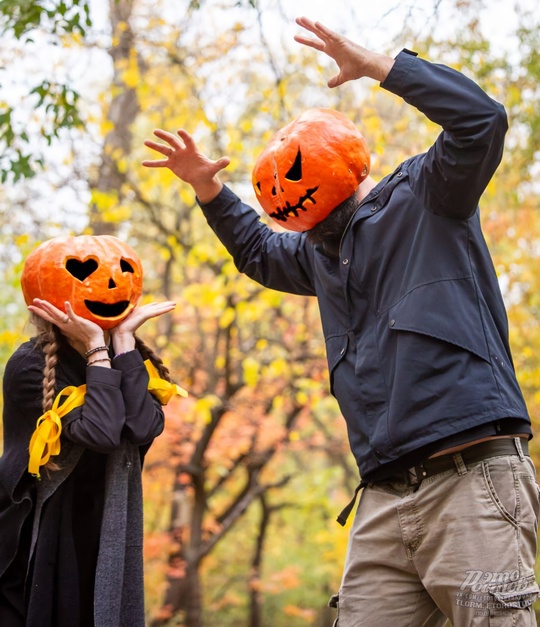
283	213
106	310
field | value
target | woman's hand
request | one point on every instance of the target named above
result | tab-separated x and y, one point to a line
123	334
184	159
81	333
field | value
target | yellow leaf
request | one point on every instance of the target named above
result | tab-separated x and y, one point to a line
103	200
202	408
251	371
21	240
227	317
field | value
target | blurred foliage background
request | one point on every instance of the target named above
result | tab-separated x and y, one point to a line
242	489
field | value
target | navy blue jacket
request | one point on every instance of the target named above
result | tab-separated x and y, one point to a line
415	325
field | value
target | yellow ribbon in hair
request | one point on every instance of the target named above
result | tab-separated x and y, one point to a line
45	440
161	389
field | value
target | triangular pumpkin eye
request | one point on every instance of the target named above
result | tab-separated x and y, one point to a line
81	269
295	172
125	266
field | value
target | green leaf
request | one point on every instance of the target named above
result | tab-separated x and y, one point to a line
62	16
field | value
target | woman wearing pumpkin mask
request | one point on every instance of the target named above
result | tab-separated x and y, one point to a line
82	404
416	335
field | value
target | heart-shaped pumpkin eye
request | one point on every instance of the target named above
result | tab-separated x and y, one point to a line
81	269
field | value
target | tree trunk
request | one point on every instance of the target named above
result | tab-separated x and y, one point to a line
255	597
122	112
183	597
193	598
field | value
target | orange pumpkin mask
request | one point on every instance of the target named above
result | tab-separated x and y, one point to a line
309	167
99	275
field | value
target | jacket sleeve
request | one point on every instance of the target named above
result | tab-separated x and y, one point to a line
456	170
144	414
280	261
117	405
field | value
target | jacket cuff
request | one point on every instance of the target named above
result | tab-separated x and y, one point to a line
224	195
128	361
107	376
397	76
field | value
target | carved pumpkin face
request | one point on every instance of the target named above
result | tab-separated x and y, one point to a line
99	275
309	167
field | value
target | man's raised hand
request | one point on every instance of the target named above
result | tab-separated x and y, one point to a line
353	61
184	159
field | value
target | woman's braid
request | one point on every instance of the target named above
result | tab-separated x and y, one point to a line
148	353
50	350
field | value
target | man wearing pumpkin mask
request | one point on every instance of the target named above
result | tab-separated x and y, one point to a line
417	343
82	404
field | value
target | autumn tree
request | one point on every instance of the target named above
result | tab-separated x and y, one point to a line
253	361
121	108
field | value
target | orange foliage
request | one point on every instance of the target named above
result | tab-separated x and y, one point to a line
306	614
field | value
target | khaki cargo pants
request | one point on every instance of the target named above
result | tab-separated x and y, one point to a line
461	547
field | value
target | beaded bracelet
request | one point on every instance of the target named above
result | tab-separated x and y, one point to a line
96	350
95	361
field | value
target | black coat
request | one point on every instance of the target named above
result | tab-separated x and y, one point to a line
82	523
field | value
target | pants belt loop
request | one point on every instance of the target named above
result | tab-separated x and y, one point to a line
519	449
460	464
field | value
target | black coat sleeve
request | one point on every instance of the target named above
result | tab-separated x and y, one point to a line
144	413
117	406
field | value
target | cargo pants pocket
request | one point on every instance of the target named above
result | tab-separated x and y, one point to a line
513	601
334	602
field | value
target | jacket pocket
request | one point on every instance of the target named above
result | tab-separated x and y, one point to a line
336	348
446	310
436	363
